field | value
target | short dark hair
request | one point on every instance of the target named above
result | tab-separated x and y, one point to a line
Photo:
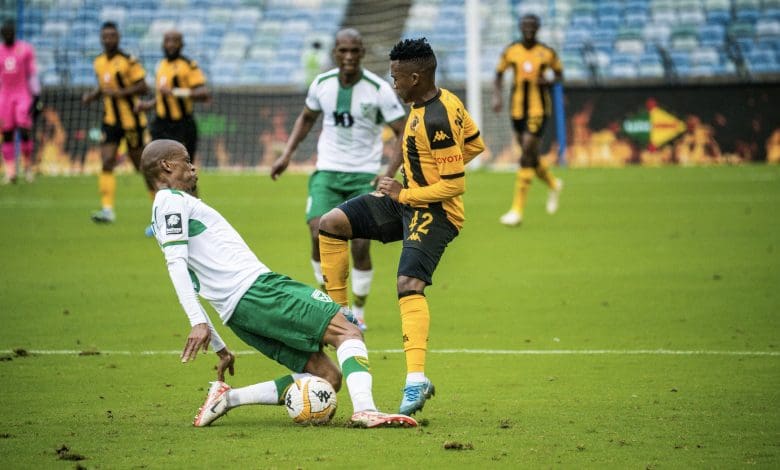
415	50
532	16
108	25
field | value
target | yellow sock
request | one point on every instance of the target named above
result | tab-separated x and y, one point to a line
523	179
107	188
415	323
334	259
545	175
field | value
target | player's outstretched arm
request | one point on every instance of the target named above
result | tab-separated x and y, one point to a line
90	96
498	85
303	125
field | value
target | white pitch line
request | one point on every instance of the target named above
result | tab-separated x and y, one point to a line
487	352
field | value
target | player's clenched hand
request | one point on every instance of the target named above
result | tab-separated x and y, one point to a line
198	339
389	187
279	166
226	360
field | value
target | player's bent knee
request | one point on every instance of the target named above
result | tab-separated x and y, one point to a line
335	223
410	286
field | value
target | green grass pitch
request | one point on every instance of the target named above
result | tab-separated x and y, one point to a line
637	328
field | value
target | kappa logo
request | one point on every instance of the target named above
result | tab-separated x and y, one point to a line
323	395
173	224
439	136
321	296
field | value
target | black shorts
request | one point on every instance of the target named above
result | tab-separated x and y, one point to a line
425	232
532	125
184	131
114	134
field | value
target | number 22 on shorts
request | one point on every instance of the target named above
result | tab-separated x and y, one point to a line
418	225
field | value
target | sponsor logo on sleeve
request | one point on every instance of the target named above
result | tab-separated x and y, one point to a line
173	224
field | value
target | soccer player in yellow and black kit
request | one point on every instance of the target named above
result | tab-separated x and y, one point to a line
426	212
530	107
121	80
179	83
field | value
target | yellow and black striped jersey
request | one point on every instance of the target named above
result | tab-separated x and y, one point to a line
119	71
528	97
439	139
178	73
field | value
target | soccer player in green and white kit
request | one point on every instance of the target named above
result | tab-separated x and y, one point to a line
282	318
355	105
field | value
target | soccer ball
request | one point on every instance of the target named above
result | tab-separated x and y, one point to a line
310	400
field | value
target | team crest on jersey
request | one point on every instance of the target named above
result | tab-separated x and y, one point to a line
173	224
321	296
413	124
368	110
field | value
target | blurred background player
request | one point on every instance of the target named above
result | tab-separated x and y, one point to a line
314	61
178	84
285	320
121	80
536	66
355	104
19	90
426	212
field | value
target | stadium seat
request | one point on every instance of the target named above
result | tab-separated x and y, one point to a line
252	73
219	15
629	46
748	15
657	33
577	72
762	61
684	38
55	28
741	30
623	71
113	13
694	17
767	28
718	16
747	4
705	56
712	35
191	28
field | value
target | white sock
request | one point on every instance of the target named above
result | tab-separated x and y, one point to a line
258	394
358	312
415	377
264	393
361	281
359	383
317	267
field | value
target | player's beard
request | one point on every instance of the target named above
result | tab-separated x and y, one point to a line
171	55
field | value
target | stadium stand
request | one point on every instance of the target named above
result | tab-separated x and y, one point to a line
620	40
702	37
221	36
